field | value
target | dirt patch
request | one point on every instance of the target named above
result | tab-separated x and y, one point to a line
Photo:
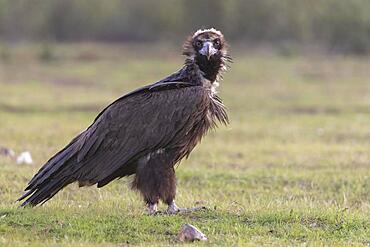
311	110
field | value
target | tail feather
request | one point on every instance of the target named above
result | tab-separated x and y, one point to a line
56	163
28	192
57	173
45	192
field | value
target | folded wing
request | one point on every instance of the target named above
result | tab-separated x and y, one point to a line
131	127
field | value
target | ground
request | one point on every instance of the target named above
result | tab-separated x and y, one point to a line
292	168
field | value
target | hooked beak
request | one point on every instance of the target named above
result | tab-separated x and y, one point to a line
208	50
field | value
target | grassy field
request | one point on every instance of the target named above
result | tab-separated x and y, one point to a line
292	168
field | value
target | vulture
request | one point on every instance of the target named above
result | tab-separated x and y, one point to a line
145	132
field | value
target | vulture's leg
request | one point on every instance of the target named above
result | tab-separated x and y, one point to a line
152	208
155	179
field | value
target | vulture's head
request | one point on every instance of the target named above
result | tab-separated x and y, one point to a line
208	49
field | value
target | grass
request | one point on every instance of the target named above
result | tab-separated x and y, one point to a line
292	168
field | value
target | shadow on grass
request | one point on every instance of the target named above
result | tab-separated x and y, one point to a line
311	110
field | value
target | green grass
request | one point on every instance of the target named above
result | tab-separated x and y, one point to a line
292	168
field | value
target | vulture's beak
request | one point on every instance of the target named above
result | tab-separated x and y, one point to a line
208	50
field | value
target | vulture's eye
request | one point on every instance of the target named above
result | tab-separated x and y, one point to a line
217	43
199	44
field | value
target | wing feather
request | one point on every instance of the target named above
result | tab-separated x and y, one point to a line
134	127
131	127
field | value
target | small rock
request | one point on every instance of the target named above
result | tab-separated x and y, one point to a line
24	158
190	233
6	152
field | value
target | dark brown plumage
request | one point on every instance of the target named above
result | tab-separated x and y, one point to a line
145	132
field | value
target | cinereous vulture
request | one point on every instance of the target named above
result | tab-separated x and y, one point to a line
146	132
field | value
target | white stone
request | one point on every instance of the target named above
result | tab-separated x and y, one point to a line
24	158
190	233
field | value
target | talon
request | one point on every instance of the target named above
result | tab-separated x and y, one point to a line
173	209
152	209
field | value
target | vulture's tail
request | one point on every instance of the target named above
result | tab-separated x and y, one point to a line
44	193
57	173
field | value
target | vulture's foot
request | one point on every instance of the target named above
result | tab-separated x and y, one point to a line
152	209
173	209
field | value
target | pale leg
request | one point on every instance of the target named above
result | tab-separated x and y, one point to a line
152	209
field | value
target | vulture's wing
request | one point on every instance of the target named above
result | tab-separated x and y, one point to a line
134	125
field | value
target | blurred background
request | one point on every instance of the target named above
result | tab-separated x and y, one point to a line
336	26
